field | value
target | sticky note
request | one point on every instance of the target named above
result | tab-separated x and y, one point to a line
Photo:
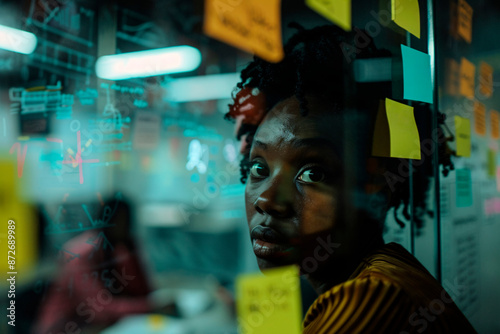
495	124
157	322
467	73
480	118
13	208
269	303
417	82
492	163
463	179
485	79
337	11
452	77
251	25
396	134
406	14
462	136
465	20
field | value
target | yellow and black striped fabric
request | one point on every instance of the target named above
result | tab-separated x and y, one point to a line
389	292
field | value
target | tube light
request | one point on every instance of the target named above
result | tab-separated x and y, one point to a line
201	88
148	63
373	70
16	40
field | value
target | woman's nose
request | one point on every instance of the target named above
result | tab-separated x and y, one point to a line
277	198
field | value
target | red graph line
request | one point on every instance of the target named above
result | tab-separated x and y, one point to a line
78	158
20	157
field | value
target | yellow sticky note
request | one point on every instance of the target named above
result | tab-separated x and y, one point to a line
465	20
492	163
157	322
462	134
406	14
453	20
485	79
495	124
467	73
396	134
270	303
337	11
22	242
251	25
480	118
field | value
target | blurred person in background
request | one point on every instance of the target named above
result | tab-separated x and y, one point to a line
307	206
101	281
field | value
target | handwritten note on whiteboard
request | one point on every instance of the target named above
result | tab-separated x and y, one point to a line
485	79
480	118
465	20
250	25
270	303
467	83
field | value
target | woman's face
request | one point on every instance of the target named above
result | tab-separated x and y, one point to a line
294	191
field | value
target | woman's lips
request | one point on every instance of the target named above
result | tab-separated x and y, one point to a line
268	250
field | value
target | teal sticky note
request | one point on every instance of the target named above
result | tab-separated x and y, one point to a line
464	187
416	75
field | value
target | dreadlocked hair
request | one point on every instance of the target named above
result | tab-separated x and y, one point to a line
314	63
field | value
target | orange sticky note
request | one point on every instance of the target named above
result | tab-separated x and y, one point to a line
452	77
396	134
462	135
337	11
269	303
485	79
406	14
467	73
465	20
480	118
495	126
251	25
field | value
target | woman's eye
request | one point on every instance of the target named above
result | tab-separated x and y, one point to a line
258	170
312	175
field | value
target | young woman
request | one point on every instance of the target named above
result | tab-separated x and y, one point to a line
316	197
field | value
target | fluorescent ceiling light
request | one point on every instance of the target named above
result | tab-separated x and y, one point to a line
373	70
148	63
201	88
17	40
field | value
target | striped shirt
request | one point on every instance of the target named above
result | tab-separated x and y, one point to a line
389	292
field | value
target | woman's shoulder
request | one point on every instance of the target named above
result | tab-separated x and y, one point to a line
394	263
384	295
361	305
391	254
